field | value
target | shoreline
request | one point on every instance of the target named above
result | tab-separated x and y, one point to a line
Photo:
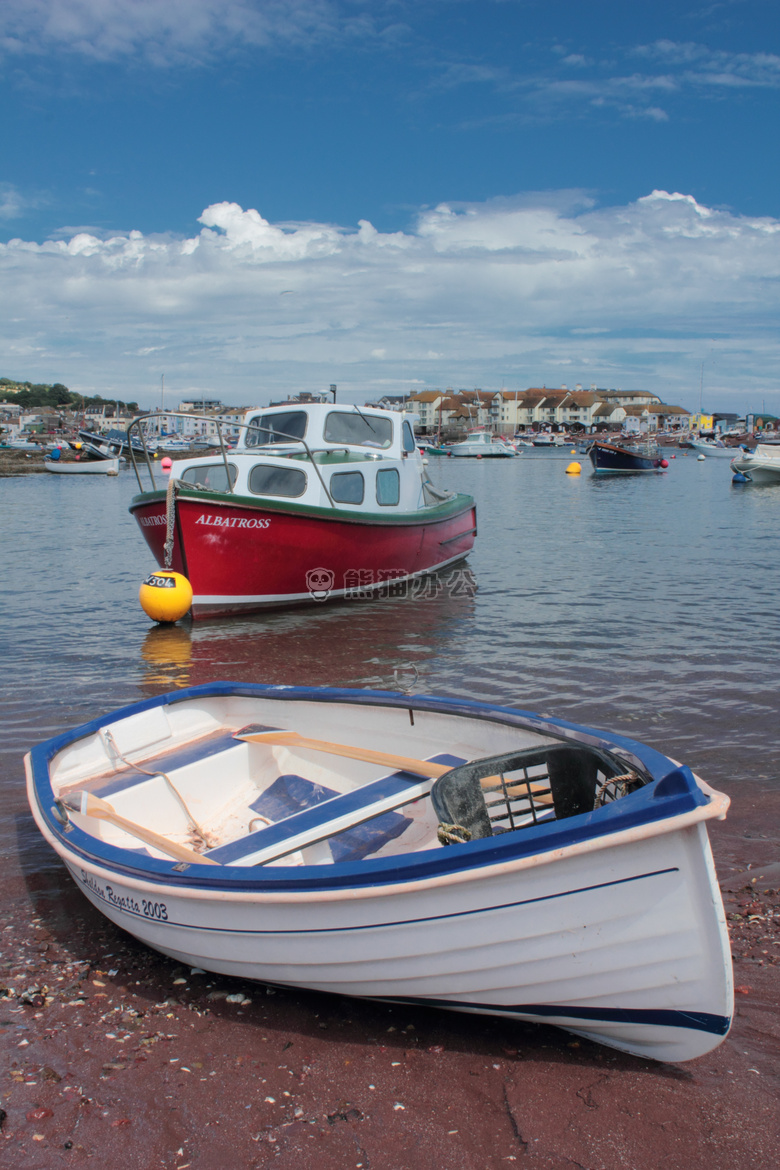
16	462
119	1052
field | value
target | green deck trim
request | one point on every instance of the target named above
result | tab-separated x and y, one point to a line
459	503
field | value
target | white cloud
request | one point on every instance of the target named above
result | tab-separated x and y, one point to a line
12	203
479	294
169	31
672	71
15	203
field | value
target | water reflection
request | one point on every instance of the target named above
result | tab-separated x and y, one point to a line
644	604
382	643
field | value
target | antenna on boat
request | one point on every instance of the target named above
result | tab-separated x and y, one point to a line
365	420
333	390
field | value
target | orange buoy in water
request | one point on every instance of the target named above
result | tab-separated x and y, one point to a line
165	596
574	469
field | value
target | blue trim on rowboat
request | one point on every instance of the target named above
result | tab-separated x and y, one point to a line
674	792
652	1017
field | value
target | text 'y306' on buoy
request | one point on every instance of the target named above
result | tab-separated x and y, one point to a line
165	596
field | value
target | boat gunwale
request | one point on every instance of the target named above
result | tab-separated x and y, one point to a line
658	813
459	504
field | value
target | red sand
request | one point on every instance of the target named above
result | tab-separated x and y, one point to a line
118	1057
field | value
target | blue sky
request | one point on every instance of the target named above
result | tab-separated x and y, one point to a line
549	192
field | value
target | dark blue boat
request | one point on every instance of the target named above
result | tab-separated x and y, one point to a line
611	459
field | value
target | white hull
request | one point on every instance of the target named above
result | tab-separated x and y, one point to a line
713	451
619	937
91	467
630	933
481	451
761	466
480	445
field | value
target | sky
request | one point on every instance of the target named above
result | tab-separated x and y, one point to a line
257	197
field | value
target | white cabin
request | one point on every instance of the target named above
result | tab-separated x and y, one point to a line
321	455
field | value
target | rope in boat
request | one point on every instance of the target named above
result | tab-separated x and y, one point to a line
616	787
193	824
449	834
170	521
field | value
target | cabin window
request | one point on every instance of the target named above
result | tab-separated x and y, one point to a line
280	427
359	430
388	487
265	480
347	487
211	476
409	443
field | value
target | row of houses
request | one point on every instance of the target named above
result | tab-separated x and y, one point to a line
507	411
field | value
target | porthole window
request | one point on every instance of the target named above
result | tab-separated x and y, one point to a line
388	487
211	476
347	487
363	430
265	480
280	427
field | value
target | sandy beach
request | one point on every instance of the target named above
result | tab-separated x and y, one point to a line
116	1053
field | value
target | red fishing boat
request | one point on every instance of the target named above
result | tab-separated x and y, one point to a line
316	502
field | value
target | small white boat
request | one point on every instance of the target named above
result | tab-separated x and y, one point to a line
83	467
759	466
403	848
712	448
480	445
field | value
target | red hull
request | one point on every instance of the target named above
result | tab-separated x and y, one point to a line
240	556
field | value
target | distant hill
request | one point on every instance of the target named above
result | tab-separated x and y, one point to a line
44	394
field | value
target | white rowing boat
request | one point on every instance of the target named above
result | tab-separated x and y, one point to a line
83	467
401	848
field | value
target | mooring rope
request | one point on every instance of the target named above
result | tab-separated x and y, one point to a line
193	824
170	521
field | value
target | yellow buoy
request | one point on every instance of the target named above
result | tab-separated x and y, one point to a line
574	469
165	596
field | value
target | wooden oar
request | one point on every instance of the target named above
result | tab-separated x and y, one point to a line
256	733
94	806
274	735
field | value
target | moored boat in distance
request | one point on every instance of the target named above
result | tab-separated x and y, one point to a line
712	448
83	467
619	459
316	502
109	446
480	445
413	849
761	465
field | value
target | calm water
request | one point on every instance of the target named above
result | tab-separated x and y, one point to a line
644	604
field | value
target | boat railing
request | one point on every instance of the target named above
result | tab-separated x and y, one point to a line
136	425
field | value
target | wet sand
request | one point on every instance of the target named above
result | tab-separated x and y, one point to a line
21	463
117	1056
